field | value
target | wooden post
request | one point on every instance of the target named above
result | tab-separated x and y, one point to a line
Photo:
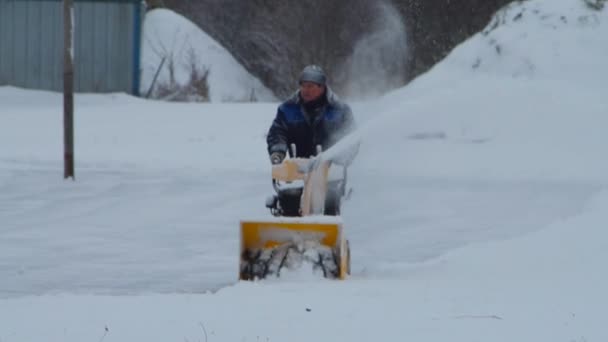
68	88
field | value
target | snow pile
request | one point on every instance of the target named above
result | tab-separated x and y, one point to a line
171	36
552	41
521	100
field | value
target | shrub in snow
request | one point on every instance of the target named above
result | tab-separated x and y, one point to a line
597	5
181	62
196	89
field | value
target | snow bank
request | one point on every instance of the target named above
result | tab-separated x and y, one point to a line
522	100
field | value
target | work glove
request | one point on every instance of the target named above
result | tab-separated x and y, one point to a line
277	157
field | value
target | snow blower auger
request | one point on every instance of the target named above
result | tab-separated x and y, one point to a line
306	229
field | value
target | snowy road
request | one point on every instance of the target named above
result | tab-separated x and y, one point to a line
131	230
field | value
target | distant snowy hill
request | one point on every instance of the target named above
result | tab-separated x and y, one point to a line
168	34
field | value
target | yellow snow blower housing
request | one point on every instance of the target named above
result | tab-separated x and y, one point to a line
301	232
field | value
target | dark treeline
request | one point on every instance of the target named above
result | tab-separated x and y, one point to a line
274	39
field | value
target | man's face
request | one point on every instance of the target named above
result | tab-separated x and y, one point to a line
310	91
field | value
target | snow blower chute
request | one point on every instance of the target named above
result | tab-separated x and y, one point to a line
306	228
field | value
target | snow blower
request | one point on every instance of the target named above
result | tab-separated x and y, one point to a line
306	227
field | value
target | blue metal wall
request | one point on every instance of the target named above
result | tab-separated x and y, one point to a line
107	44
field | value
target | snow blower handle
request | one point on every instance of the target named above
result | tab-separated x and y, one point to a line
294	151
314	162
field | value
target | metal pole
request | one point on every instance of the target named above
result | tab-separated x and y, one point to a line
68	88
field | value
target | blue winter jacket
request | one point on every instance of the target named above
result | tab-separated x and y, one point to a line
293	125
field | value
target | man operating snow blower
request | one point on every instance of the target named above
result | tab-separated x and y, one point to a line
307	228
312	119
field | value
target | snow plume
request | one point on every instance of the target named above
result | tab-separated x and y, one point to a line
377	64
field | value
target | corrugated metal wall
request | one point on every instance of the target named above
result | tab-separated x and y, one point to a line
106	50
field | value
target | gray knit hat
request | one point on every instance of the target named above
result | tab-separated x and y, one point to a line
313	73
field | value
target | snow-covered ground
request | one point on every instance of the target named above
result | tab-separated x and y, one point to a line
478	214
